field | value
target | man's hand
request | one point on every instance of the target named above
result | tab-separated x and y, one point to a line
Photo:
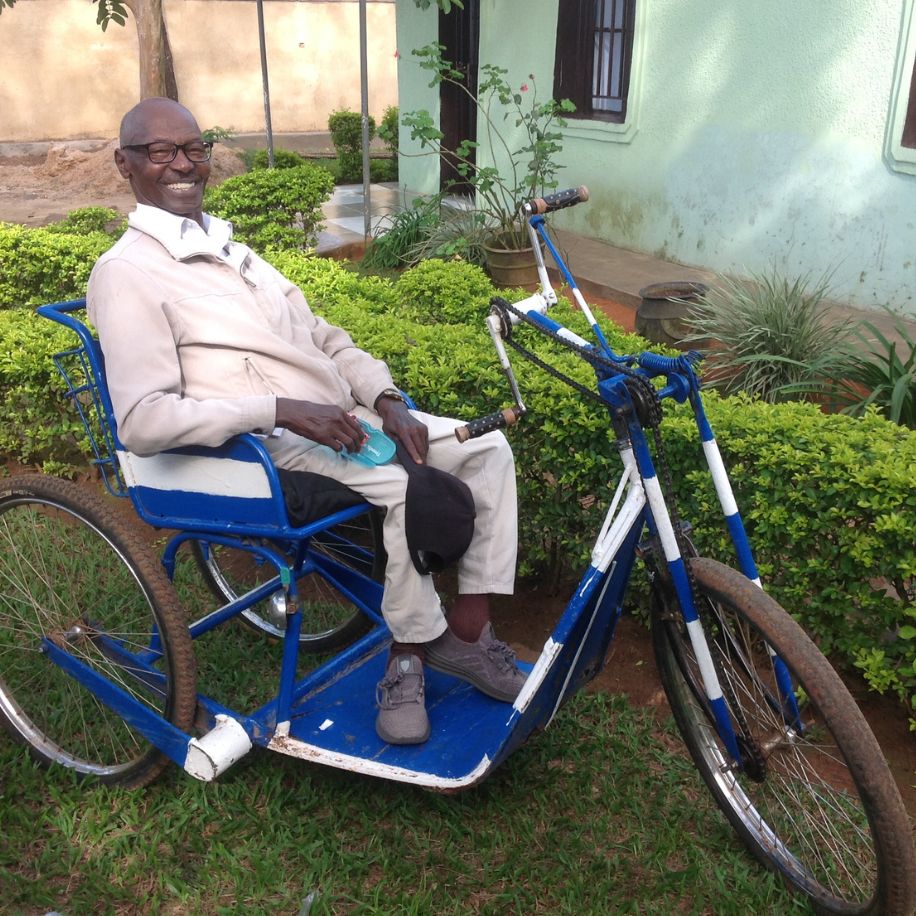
399	423
324	423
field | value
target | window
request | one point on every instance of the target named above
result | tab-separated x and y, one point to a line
594	54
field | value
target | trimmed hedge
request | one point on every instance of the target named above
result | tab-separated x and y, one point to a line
828	500
280	207
46	265
346	129
37	425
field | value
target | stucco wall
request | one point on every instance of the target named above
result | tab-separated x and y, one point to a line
63	78
756	135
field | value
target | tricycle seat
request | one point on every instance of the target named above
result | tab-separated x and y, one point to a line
234	486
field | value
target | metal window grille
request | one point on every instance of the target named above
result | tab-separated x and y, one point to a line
610	35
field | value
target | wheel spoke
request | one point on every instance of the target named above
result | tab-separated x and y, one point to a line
329	619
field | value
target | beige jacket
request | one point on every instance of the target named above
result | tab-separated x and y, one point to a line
201	336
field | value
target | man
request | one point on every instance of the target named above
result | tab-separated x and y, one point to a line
204	340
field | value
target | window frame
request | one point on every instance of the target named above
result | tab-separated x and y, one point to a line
902	114
574	71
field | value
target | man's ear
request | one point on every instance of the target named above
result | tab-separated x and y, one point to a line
121	162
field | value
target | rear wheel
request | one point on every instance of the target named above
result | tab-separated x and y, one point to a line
329	619
74	576
814	799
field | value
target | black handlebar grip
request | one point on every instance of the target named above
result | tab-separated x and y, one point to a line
558	200
479	427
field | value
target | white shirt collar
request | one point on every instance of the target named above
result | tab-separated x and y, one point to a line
185	238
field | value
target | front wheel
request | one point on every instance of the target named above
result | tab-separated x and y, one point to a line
813	797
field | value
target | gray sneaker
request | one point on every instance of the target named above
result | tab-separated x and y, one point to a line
488	664
402	715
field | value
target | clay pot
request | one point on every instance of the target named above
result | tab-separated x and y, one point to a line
664	306
510	267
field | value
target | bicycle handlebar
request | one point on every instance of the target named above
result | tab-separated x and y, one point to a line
556	201
482	425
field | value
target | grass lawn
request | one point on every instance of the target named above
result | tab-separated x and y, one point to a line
600	814
594	816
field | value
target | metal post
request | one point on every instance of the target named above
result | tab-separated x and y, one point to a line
364	96
263	43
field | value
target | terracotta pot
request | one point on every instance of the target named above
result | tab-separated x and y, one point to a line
509	267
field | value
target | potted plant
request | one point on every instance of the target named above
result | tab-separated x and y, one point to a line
515	157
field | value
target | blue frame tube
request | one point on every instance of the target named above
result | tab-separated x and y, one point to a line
155	728
540	227
657	511
733	520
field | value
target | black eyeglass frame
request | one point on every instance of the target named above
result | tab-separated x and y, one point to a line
206	144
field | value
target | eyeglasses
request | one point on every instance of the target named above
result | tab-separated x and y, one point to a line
195	151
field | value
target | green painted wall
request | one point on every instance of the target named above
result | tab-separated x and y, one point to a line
758	134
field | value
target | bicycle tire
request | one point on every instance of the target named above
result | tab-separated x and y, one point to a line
74	573
817	805
330	621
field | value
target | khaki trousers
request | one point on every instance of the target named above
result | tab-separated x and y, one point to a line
410	604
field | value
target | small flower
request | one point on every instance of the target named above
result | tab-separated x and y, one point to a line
397	54
524	87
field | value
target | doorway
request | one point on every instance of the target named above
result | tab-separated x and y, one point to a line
459	33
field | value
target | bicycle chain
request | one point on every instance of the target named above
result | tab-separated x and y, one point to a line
651	399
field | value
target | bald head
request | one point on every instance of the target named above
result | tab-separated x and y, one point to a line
146	115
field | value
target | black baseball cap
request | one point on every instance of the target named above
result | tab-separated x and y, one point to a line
439	516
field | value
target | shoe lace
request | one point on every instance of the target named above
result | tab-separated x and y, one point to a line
502	654
391	691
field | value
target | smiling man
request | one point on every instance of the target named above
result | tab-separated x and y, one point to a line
204	340
170	174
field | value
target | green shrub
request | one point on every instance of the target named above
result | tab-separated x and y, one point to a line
217	134
445	292
273	207
37	425
881	373
86	220
388	129
346	129
458	233
326	283
429	229
383	170
769	335
283	159
401	232
43	265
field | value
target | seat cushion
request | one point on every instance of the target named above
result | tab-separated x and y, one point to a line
312	496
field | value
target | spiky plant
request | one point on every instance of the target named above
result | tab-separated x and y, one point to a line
882	374
770	336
